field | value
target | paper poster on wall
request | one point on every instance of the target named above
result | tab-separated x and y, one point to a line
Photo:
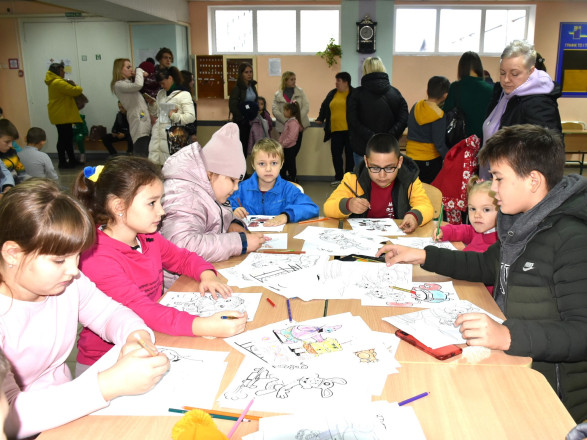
274	66
571	66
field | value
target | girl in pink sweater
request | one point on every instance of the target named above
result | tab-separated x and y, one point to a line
42	296
481	233
290	140
128	258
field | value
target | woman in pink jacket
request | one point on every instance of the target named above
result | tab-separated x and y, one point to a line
128	258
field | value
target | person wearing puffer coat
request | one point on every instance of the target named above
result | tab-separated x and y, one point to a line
174	106
375	107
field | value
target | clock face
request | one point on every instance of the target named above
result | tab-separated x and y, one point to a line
366	32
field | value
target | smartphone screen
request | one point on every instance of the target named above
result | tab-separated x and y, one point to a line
441	353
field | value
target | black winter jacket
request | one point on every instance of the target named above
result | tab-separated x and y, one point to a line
237	97
546	300
375	107
324	115
539	109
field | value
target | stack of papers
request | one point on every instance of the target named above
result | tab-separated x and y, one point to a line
328	241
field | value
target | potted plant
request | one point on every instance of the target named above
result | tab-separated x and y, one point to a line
332	50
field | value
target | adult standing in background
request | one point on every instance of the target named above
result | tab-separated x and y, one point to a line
188	85
243	103
523	95
63	112
333	114
125	85
375	107
164	57
287	93
174	106
471	93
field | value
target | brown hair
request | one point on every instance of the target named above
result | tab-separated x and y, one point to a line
284	77
476	184
121	177
294	109
7	128
54	222
526	148
269	146
117	71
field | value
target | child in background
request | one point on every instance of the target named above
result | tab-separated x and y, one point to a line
126	262
14	144
427	130
198	182
80	133
37	163
261	125
42	297
481	234
289	139
8	155
384	185
266	193
120	132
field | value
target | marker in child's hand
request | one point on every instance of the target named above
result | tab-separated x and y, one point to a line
152	352
229	317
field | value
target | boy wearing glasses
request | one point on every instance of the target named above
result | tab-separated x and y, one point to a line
384	185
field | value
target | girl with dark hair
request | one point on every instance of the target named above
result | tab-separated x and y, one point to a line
128	258
243	103
42	296
471	93
290	140
173	106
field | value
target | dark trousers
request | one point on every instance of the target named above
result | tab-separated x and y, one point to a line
244	128
339	143
289	170
65	144
141	146
109	139
429	169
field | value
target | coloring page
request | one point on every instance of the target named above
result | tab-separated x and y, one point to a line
435	327
196	304
337	279
193	379
423	295
328	241
278	241
422	242
322	385
256	223
260	269
379	226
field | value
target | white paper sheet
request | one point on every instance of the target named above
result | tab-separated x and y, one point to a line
423	295
435	327
257	223
329	241
195	304
278	241
422	242
193	379
380	226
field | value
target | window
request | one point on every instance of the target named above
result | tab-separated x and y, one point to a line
273	30
457	29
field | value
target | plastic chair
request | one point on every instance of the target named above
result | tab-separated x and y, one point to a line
435	196
298	186
579	126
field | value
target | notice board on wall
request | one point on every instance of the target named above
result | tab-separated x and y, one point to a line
571	66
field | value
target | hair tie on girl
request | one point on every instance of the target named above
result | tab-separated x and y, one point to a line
479	181
92	173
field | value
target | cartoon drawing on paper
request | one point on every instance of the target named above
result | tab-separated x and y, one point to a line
367	356
278	265
203	305
386	225
261	382
174	356
340	239
430	292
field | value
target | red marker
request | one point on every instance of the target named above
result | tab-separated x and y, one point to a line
271	302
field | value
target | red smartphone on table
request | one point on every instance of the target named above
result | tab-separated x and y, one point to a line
441	353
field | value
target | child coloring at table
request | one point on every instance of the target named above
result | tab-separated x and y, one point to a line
289	140
198	183
384	185
42	297
266	193
128	258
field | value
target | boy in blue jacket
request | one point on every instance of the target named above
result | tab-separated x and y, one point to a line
266	193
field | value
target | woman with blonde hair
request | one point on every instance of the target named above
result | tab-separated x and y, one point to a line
375	107
125	85
289	92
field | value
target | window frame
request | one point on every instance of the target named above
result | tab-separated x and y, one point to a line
298	8
529	27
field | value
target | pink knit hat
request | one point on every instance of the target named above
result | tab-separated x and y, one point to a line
223	154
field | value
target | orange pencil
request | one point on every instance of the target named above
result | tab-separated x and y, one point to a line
223	413
146	347
239	202
315	220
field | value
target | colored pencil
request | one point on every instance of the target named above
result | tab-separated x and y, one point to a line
229	317
270	302
411	399
215	416
240	419
146	347
321	219
215	412
285	251
402	289
289	310
352	190
326	308
439	219
239	202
